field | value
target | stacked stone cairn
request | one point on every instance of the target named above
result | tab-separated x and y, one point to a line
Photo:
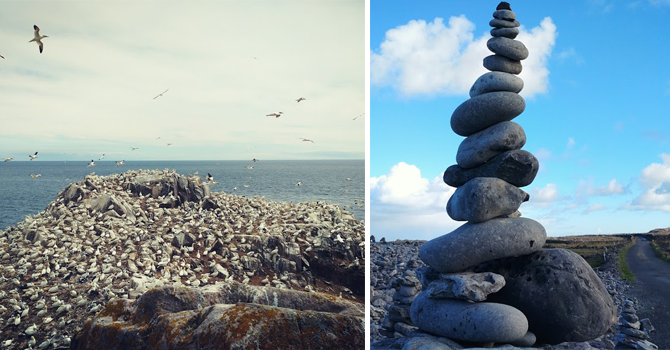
634	332
397	321
490	281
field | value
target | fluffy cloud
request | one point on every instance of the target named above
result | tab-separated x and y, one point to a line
404	205
613	187
544	196
594	207
655	180
425	58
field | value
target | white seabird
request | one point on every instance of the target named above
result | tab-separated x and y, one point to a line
304	139
2	57
8	159
123	162
348	179
32	156
300	99
161	94
210	178
101	157
276	115
250	167
38	38
134	148
339	238
92	163
359	116
299	183
255	160
34	176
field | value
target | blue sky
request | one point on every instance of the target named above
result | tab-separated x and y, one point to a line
597	91
227	64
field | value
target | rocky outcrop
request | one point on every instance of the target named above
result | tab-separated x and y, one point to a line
114	237
226	316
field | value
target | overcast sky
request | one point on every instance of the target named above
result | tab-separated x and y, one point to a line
597	92
226	64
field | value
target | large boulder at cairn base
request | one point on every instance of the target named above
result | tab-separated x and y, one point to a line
221	317
473	322
484	198
473	244
519	168
563	299
482	111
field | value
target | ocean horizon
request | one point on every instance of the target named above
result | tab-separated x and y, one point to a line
340	182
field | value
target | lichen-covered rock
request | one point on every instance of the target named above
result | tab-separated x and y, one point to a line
226	316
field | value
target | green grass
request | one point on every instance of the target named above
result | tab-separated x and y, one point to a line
660	253
625	271
591	248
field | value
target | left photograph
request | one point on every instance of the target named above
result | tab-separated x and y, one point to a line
181	175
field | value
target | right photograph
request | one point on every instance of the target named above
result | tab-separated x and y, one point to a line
519	175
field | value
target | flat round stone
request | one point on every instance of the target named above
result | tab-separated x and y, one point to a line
472	244
502	64
519	168
465	321
505	32
510	48
484	198
482	111
501	23
506	15
496	81
481	146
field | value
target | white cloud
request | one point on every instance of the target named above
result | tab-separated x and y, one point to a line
544	196
571	143
613	187
655	180
421	58
404	204
594	207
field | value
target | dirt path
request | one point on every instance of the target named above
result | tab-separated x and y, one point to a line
652	289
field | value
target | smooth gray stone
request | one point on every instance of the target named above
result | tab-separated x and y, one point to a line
481	146
482	111
505	32
632	332
528	340
500	23
557	290
473	322
502	64
646	325
496	81
519	168
472	244
485	198
510	48
468	286
503	5
416	340
506	15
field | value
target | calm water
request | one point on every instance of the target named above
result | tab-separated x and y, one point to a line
321	180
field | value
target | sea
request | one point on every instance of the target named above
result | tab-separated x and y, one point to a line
339	182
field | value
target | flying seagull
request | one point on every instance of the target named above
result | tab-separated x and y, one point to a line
101	157
249	167
161	94
299	183
92	163
8	159
300	99
2	57
38	38
255	160
134	148
32	156
306	139
35	176
123	162
276	115
210	178
169	144
359	116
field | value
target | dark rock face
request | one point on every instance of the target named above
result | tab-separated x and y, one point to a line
227	316
183	189
562	297
519	168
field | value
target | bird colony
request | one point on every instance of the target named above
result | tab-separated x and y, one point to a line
490	281
116	236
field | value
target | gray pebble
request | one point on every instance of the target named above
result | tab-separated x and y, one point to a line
510	48
483	111
505	32
519	168
506	15
502	64
481	146
484	198
496	81
499	23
